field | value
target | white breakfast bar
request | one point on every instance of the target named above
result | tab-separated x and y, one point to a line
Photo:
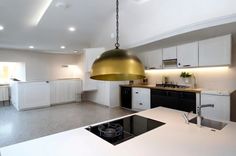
175	138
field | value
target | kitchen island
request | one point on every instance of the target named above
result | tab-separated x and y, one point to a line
174	138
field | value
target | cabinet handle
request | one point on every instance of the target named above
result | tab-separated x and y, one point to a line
179	64
152	68
187	65
140	103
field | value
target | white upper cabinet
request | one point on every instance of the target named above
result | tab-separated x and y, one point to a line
90	56
187	55
154	59
151	59
215	51
169	53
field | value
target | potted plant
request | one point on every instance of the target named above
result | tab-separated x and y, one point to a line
186	76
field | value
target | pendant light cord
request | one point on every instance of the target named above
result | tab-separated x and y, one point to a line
117	45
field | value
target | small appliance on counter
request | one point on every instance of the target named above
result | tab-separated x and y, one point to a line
118	131
145	81
131	82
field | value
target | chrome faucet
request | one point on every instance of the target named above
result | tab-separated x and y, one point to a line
199	113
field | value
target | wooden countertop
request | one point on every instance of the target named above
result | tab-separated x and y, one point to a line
193	90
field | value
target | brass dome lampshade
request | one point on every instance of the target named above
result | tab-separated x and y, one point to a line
117	64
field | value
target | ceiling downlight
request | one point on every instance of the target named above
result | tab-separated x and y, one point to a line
1	27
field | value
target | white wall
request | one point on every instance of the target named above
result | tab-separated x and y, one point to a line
108	93
43	66
207	78
101	95
150	21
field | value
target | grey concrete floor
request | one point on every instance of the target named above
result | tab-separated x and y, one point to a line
17	126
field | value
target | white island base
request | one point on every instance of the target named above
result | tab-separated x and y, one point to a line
175	138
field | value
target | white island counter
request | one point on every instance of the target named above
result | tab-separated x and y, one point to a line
175	138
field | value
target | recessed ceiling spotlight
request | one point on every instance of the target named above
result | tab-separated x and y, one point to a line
63	47
72	29
1	27
31	47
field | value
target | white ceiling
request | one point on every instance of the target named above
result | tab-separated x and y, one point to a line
142	21
17	17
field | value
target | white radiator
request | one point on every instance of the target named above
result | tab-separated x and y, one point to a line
4	93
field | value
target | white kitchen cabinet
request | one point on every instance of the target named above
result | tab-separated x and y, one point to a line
65	91
221	110
170	53
151	59
215	51
140	99
187	55
28	95
4	93
154	59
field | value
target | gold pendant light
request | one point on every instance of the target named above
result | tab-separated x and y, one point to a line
117	64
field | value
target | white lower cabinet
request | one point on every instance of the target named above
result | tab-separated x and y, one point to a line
63	91
140	99
221	110
29	95
4	93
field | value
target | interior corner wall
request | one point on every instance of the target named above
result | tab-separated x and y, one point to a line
101	95
41	66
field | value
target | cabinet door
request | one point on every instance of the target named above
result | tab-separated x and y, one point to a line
4	93
126	97
187	55
154	59
34	95
221	110
215	51
187	102
169	53
164	98
52	92
140	98
71	91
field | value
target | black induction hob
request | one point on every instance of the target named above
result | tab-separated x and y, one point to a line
120	130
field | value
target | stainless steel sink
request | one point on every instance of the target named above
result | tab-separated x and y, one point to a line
209	123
